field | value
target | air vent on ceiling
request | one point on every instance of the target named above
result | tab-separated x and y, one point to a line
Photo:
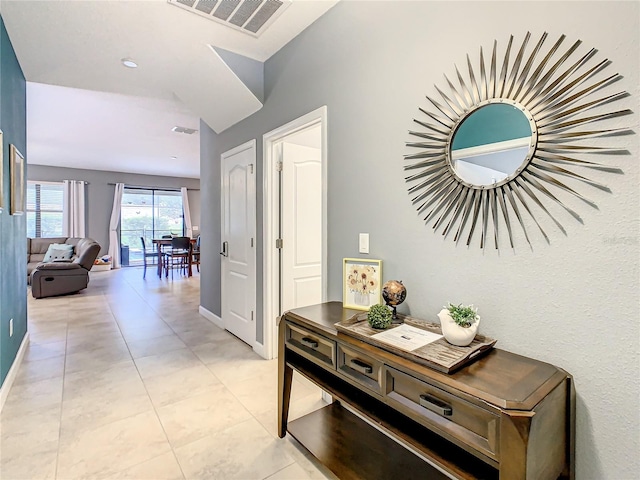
179	129
248	16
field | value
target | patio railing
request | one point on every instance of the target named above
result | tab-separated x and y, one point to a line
131	247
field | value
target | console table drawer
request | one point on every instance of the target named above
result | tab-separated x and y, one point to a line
362	368
459	420
311	345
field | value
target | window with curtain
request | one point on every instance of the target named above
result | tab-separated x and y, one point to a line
149	213
45	206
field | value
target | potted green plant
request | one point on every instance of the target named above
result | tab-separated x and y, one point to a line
379	317
459	323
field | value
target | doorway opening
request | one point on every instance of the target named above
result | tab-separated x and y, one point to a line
294	220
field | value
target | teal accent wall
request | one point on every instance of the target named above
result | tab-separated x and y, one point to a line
13	228
490	124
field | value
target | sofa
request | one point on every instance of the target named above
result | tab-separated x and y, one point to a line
59	277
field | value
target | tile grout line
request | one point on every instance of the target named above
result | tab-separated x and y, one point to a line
115	318
155	409
64	373
159	313
278	471
153	406
190	348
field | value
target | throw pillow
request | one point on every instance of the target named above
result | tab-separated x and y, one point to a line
58	251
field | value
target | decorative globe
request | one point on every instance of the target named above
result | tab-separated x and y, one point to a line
394	292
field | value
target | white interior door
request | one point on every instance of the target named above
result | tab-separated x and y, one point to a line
238	283
301	224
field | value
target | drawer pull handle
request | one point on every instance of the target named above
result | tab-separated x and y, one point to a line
435	405
361	366
309	342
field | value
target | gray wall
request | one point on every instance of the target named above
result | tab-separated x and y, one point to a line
248	70
99	193
210	174
574	303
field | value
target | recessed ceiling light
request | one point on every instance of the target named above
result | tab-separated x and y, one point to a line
173	157
127	62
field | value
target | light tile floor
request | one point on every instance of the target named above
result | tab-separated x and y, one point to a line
126	380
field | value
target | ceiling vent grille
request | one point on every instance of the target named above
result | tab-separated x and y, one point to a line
179	129
248	16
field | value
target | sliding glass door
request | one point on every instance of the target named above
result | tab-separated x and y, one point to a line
147	213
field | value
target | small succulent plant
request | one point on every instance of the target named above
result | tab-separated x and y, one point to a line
379	316
463	316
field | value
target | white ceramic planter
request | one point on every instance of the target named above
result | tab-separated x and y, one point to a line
454	333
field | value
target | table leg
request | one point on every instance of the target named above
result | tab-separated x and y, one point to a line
159	259
285	377
190	258
284	394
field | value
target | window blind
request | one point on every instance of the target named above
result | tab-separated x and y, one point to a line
45	205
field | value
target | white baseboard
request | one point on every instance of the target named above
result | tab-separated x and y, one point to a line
13	371
212	317
260	350
217	321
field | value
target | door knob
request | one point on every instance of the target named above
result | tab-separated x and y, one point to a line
225	249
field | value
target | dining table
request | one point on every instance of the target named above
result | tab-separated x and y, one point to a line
164	242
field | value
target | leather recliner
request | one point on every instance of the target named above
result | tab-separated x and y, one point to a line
59	278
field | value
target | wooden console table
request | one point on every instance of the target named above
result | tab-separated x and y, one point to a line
503	416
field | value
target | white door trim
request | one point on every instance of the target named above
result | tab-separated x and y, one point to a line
250	145
270	285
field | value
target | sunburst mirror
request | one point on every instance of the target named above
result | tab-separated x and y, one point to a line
505	137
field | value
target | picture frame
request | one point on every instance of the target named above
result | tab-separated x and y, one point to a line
1	171
17	168
362	283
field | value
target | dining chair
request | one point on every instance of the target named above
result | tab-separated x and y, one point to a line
164	247
178	255
195	255
145	255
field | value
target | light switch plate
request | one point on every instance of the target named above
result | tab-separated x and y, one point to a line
363	243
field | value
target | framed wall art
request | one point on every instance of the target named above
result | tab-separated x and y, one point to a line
362	283
17	167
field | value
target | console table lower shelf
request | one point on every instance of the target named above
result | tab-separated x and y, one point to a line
354	450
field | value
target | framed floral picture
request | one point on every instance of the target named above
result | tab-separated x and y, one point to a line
16	166
361	279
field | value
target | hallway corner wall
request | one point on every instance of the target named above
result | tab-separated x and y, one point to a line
13	228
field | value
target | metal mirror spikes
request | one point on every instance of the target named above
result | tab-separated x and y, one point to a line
552	98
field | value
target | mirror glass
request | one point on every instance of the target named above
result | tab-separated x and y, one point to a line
491	144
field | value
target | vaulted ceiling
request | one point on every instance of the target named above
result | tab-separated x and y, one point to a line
181	77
